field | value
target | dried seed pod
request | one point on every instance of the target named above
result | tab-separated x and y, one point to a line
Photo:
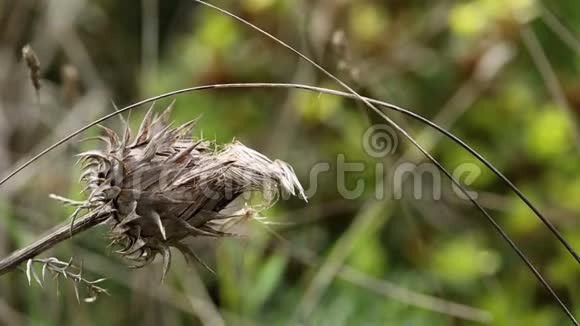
166	186
33	65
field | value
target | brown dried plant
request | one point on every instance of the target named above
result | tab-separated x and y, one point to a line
163	186
33	65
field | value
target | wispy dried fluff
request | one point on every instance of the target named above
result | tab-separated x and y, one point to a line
164	186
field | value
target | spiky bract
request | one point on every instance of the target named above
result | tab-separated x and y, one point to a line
165	186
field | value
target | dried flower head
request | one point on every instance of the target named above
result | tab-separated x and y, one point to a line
164	186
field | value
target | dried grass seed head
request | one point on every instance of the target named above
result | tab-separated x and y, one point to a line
33	65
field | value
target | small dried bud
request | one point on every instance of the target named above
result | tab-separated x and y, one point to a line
33	65
165	186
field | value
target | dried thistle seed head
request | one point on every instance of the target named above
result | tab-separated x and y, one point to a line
165	186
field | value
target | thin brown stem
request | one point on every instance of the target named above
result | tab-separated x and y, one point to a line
385	105
50	239
381	113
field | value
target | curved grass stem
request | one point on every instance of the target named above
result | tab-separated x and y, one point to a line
331	92
495	225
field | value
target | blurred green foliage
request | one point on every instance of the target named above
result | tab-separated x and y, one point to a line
423	56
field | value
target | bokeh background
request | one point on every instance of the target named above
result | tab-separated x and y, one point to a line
502	75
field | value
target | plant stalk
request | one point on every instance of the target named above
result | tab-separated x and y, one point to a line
50	239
